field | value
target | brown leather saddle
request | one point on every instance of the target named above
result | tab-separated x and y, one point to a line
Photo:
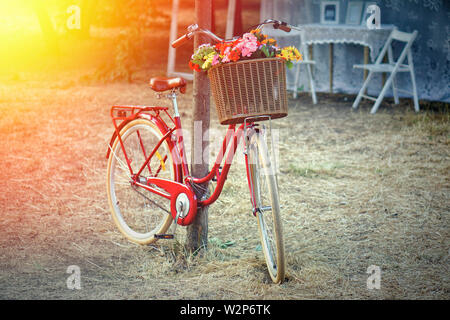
160	84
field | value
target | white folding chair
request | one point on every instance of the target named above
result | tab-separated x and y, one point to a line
306	61
391	67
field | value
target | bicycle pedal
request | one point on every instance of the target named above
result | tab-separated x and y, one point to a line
164	236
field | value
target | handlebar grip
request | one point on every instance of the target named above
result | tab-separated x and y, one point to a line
284	28
281	25
180	41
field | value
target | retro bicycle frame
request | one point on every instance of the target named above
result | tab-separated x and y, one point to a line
183	182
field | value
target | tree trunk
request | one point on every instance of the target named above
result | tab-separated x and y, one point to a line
197	232
238	28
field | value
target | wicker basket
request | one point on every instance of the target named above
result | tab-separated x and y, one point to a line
249	88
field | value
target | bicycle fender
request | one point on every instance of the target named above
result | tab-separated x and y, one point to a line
114	135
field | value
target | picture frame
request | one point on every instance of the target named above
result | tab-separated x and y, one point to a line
366	15
354	11
329	12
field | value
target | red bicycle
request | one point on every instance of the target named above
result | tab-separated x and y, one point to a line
148	181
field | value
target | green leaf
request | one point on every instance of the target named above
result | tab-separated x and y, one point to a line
265	51
227	244
220	244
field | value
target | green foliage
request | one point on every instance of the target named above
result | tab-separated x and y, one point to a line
301	88
135	18
268	51
201	54
125	61
219	243
137	14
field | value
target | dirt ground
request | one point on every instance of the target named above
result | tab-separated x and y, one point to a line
356	190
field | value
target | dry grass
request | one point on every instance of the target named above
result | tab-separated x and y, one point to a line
356	190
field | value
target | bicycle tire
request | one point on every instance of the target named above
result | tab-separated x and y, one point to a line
138	213
264	187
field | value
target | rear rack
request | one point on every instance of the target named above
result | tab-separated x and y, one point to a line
121	115
124	112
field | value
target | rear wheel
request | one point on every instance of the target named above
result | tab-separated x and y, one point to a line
265	195
138	213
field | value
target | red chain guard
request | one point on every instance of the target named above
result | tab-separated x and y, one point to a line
174	189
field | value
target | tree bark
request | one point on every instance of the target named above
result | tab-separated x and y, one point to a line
197	232
238	27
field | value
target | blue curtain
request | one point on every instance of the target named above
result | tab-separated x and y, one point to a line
431	49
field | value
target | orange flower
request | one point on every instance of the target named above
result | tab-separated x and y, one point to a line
234	55
258	34
270	41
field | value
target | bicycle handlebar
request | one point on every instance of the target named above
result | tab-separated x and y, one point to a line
276	25
180	41
193	29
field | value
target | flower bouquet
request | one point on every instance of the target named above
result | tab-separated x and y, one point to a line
247	76
252	45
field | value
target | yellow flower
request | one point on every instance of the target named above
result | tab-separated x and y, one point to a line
298	55
290	53
208	60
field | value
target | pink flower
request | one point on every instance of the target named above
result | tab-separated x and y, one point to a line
215	60
226	54
248	44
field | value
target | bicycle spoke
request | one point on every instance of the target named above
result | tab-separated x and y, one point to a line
122	165
150	200
161	166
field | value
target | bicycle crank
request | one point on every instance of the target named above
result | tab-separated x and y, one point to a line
182	206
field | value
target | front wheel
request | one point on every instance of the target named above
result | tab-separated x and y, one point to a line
264	192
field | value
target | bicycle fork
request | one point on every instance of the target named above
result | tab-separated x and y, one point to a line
256	207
